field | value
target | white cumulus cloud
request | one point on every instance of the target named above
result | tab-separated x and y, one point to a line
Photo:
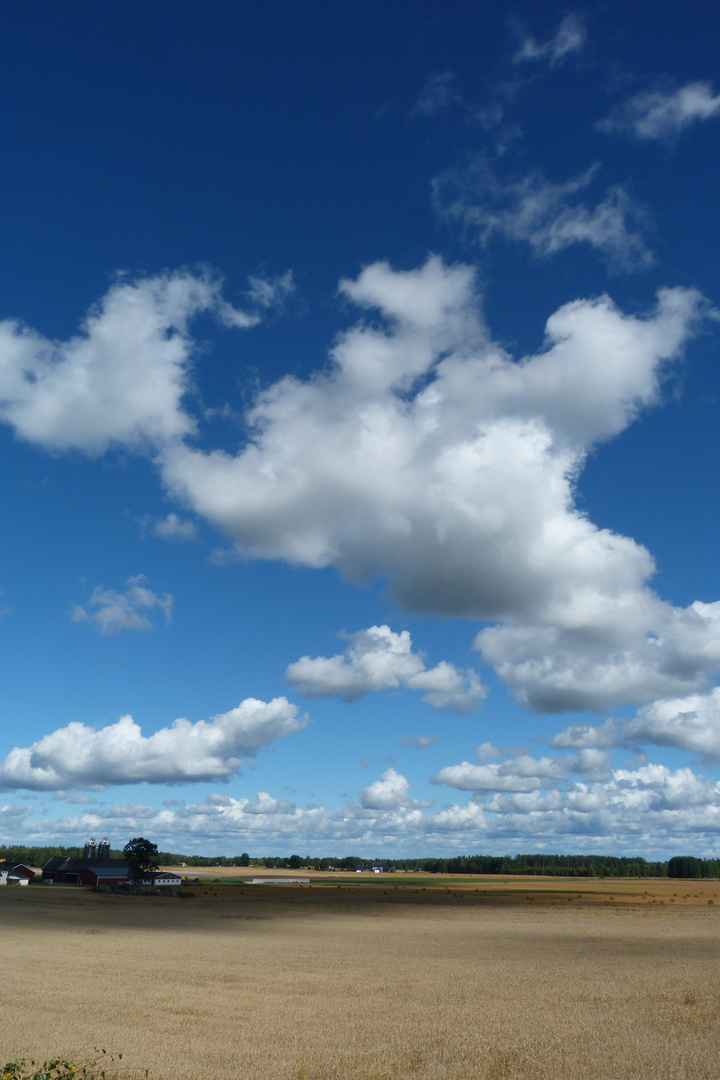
79	756
380	659
689	723
593	764
523	773
595	653
388	793
121	381
174	528
428	455
266	804
590	736
650	811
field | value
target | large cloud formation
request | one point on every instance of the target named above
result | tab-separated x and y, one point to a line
427	454
423	454
78	756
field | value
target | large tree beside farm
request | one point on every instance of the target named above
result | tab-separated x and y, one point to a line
141	855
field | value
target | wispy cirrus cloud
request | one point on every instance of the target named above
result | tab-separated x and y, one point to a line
568	39
271	291
110	612
662	115
547	216
417	742
438	94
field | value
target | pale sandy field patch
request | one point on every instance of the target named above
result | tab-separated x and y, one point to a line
512	979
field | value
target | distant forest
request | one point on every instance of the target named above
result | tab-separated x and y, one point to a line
680	866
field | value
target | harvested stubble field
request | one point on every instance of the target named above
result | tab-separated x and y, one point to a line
536	978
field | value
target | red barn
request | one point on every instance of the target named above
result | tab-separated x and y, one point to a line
75	871
103	875
23	871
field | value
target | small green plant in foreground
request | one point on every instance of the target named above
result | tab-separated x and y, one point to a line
60	1068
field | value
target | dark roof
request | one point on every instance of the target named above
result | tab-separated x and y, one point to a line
55	863
108	871
61	864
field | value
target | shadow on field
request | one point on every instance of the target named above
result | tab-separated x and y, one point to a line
199	903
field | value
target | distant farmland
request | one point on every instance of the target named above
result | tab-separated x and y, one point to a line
371	980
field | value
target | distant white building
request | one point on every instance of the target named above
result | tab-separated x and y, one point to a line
161	877
280	881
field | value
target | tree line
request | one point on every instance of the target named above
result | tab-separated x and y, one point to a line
541	863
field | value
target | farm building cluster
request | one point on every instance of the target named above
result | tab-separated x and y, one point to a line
94	867
77	871
16	874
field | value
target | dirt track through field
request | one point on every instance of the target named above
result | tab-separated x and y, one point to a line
371	982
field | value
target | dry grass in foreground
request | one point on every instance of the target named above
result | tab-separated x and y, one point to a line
370	983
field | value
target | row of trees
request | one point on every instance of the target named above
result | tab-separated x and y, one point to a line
687	866
143	855
541	864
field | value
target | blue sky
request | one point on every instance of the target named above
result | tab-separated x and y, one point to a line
358	413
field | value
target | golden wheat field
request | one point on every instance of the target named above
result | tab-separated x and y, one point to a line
540	979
